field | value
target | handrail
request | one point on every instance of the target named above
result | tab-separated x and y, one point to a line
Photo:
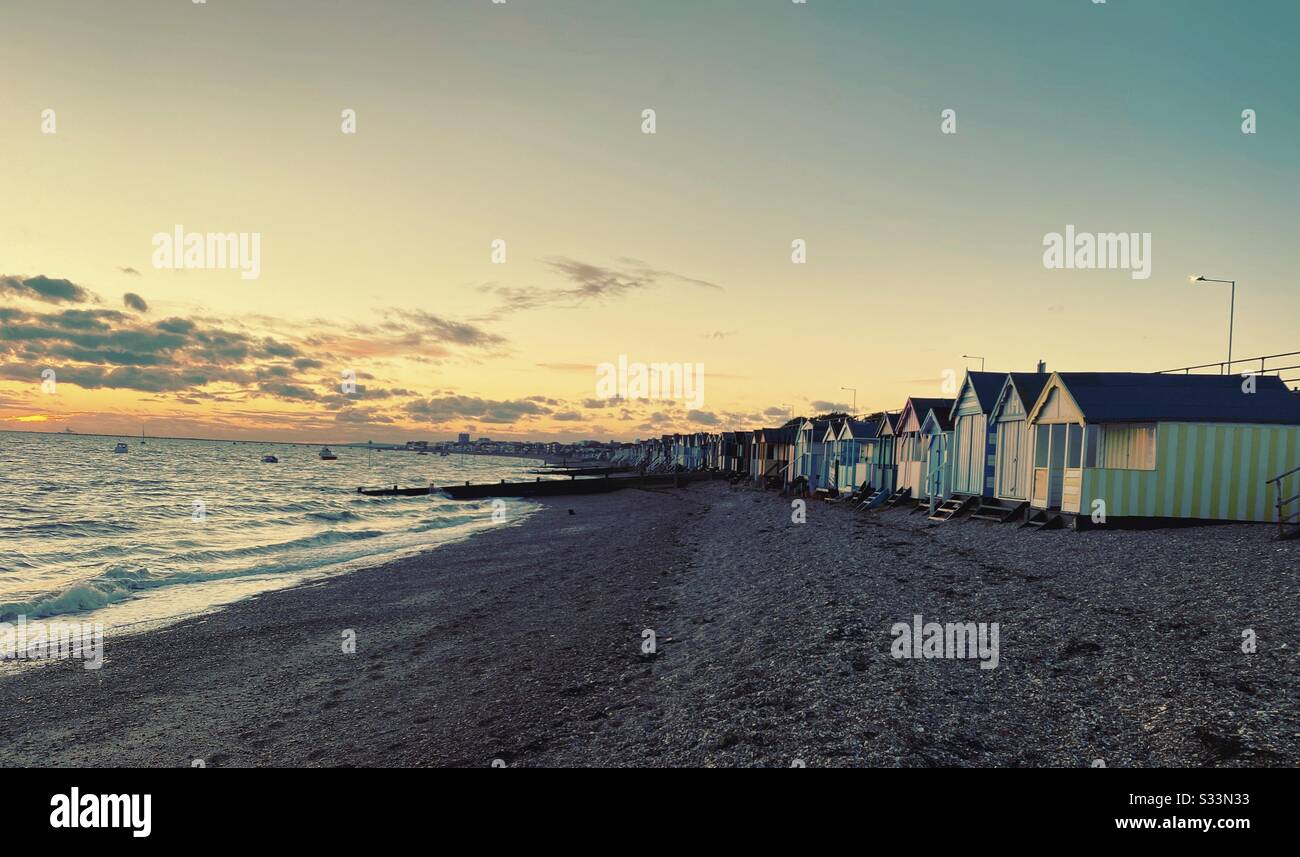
1281	505
1282	476
1222	363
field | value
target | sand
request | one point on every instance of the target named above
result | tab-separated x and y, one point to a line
524	645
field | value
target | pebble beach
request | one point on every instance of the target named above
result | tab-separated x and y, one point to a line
525	645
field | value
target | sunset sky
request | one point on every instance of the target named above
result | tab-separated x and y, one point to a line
522	122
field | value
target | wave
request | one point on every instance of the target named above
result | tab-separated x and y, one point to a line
341	515
70	529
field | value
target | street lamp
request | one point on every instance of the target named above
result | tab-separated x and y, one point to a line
975	357
855	399
1232	309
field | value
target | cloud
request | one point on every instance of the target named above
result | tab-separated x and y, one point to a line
704	418
720	334
129	270
588	283
45	289
135	302
568	367
826	407
441	409
567	416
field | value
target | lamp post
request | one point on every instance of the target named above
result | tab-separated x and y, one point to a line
855	399
1232	310
975	357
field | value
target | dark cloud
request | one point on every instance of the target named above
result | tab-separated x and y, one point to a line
567	416
45	289
824	406
704	418
135	302
444	408
417	326
129	270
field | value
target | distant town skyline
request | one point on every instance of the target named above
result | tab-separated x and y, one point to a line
253	221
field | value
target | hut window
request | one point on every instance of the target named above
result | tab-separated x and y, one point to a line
1041	445
1128	447
1091	435
1073	445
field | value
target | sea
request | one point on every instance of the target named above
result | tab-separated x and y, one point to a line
174	528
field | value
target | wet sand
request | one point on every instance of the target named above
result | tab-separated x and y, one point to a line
524	644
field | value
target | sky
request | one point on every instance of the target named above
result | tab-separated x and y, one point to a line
524	123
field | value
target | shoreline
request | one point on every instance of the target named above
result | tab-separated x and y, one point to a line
523	644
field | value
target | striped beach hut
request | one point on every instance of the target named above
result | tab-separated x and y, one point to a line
972	443
1124	445
910	446
937	467
1009	439
882	469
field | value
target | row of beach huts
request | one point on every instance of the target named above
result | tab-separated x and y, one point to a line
1047	449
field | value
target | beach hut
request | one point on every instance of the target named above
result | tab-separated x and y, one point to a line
772	452
883	468
810	452
937	466
972	444
1114	447
1012	452
740	459
910	447
854	453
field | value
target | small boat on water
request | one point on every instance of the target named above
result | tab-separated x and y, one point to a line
270	459
327	455
121	448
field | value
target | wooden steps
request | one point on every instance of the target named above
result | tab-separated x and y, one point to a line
1042	519
872	499
900	496
1001	511
952	508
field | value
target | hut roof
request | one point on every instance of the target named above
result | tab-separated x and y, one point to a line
863	428
1144	397
1028	385
987	386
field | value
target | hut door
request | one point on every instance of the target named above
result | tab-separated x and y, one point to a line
934	469
1056	475
1011	441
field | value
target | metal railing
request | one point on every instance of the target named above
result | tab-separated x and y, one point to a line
1224	367
1283	519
